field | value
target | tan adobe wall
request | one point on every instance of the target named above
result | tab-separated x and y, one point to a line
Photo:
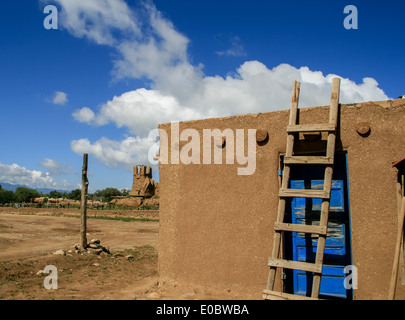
216	227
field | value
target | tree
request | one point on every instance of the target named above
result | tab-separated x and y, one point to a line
6	196
23	194
75	194
55	194
107	194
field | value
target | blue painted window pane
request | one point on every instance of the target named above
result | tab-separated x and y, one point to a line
307	211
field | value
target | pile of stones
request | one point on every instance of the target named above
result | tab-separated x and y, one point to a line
93	247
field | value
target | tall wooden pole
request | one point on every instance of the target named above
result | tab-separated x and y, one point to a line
394	275
85	184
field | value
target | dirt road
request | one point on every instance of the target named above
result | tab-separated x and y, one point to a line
30	237
28	241
23	236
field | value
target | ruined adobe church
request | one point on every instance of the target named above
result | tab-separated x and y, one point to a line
143	185
144	192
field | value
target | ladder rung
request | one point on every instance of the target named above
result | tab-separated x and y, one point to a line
300	228
308	160
310	127
304	193
274	295
296	265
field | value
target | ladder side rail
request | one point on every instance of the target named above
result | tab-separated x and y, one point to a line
334	102
330	152
284	184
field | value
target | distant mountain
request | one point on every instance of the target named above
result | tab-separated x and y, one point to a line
13	187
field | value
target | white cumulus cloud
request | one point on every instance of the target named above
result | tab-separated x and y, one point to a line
148	46
140	111
16	174
112	153
50	164
97	20
254	88
60	97
55	168
84	115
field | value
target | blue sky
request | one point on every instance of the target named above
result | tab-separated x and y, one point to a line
114	69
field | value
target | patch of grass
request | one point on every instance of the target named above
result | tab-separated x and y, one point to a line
92	273
140	208
12	279
145	252
146	208
125	219
56	214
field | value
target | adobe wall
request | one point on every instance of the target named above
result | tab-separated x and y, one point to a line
216	227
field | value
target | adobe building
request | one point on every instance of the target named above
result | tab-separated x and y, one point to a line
144	191
142	185
217	226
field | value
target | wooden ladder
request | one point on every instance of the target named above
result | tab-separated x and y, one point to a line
279	226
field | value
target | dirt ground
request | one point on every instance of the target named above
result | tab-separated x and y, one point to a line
30	237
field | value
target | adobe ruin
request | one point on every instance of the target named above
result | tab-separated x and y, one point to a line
144	191
142	185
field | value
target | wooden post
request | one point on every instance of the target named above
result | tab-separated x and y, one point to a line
394	275
85	184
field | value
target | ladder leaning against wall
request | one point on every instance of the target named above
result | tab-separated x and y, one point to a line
280	226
